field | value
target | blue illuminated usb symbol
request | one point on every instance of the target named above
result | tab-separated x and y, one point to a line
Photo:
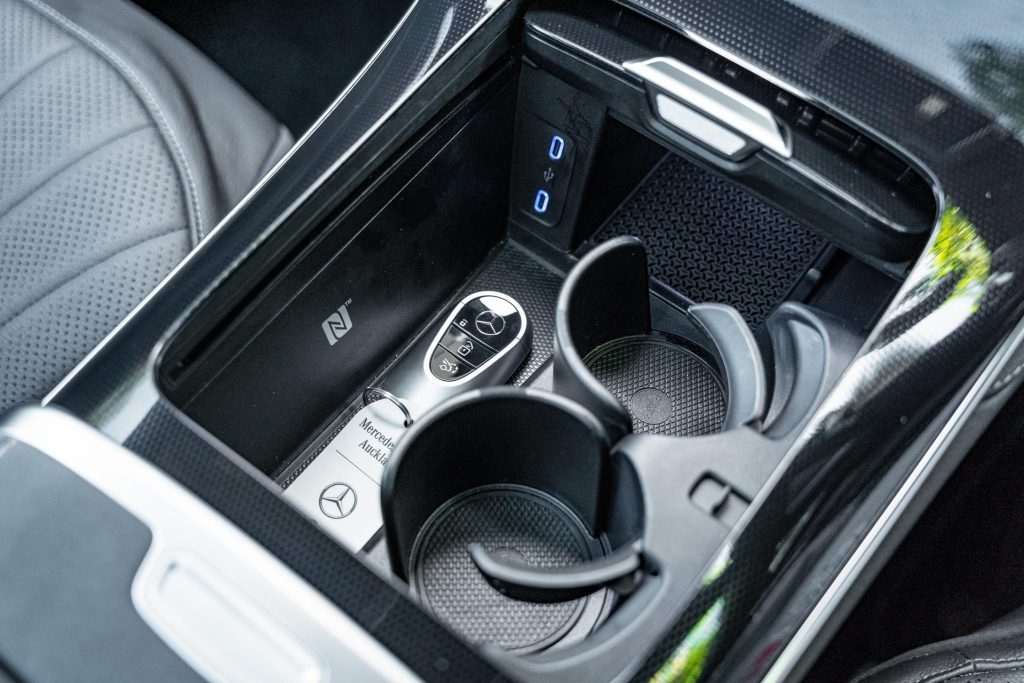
557	148
541	201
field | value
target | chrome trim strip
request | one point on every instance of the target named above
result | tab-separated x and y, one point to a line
796	649
719	102
903	152
189	533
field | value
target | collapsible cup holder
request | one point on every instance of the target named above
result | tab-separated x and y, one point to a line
700	373
509	519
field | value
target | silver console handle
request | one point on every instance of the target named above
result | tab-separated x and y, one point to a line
708	110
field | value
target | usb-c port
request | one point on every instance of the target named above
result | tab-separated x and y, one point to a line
557	148
541	201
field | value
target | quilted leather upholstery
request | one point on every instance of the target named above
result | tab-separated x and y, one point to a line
108	173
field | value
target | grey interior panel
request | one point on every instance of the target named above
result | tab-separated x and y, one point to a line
68	556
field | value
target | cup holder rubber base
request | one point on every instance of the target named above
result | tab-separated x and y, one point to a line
527	525
667	388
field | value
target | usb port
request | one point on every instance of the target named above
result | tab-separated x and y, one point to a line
541	201
557	148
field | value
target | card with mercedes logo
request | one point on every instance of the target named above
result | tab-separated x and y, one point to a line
340	489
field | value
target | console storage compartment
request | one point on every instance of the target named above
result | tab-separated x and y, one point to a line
685	318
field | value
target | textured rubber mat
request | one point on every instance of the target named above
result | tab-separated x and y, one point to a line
536	289
524	523
666	388
713	241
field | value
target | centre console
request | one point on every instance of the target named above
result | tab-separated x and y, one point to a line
553	370
542	364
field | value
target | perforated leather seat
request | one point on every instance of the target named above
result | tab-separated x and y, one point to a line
121	147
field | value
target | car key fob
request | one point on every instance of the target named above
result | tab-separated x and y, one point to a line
480	343
484	337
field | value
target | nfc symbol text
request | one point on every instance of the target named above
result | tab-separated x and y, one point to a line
337	324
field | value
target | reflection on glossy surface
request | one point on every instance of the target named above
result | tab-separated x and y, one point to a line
940	330
687	662
428	36
718	565
956	111
996	75
962	44
939	29
945	290
958	250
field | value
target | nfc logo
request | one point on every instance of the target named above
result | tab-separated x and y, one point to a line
338	324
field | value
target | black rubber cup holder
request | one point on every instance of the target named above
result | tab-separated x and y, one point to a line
702	377
516	523
510	520
667	384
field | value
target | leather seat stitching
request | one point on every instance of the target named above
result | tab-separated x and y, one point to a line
941	671
972	673
142	92
998	660
58	172
74	276
898	661
939	651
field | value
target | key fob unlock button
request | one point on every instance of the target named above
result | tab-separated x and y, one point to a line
466	347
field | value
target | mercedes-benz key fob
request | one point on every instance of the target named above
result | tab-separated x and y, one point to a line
486	330
481	342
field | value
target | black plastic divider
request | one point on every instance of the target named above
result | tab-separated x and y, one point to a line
483	437
693	489
654	510
604	298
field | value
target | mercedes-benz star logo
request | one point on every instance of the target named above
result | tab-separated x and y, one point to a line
338	501
489	323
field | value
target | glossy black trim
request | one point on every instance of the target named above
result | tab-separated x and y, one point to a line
864	191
